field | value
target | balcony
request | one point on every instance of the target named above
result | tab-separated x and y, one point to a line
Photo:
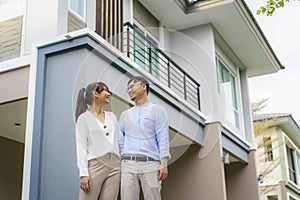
146	54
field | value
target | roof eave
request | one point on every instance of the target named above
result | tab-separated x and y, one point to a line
232	20
253	24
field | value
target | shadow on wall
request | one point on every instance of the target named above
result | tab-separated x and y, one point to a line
11	168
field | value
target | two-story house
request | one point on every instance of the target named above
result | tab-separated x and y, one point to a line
197	55
278	156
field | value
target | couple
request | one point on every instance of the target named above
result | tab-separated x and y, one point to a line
140	142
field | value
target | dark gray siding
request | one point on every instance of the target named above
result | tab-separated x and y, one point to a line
145	18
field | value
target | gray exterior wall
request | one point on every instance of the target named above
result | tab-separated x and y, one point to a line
62	70
193	50
74	22
10	38
11	156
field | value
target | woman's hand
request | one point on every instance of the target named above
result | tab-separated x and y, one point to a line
85	183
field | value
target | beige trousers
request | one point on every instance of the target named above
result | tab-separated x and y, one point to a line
136	172
104	174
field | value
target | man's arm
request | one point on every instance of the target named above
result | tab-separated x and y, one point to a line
162	135
162	172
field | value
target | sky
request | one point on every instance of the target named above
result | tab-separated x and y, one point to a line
282	30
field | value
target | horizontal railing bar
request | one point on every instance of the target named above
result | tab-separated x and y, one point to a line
144	52
161	52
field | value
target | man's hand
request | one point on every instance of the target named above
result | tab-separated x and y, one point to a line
85	183
162	171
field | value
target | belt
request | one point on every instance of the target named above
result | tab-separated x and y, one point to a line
138	158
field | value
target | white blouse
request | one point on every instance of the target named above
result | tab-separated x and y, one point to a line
95	139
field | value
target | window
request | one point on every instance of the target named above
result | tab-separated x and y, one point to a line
78	6
228	85
273	197
291	164
144	54
268	149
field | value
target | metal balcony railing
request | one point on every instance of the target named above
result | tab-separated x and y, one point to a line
145	53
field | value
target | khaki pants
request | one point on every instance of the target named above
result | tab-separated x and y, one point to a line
105	179
134	172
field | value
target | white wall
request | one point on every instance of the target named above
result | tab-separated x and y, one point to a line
43	21
193	49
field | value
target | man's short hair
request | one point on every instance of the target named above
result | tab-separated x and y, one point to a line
141	79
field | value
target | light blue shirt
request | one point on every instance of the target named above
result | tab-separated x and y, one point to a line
146	131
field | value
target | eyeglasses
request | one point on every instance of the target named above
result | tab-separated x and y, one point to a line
130	87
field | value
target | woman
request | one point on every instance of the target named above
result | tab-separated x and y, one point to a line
98	140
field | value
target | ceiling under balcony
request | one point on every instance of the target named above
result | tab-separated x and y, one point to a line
231	19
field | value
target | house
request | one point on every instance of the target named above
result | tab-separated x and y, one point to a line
198	56
278	156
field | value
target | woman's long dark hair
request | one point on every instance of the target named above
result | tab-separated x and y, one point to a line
86	97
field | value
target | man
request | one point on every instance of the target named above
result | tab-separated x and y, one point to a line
146	144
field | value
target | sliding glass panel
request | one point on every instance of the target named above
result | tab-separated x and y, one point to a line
228	86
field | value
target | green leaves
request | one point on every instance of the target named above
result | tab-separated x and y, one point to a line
271	7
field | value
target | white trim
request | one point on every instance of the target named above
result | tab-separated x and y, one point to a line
237	93
24	26
15	63
290	143
29	129
285	161
291	195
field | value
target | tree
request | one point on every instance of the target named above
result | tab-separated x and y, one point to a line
258	106
271	6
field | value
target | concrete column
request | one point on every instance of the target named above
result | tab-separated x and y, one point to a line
283	191
44	21
128	11
196	177
247	112
241	180
91	14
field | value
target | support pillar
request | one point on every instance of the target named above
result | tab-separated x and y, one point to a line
241	179
195	175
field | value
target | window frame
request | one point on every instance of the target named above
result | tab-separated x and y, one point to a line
237	123
287	147
291	196
76	13
268	149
